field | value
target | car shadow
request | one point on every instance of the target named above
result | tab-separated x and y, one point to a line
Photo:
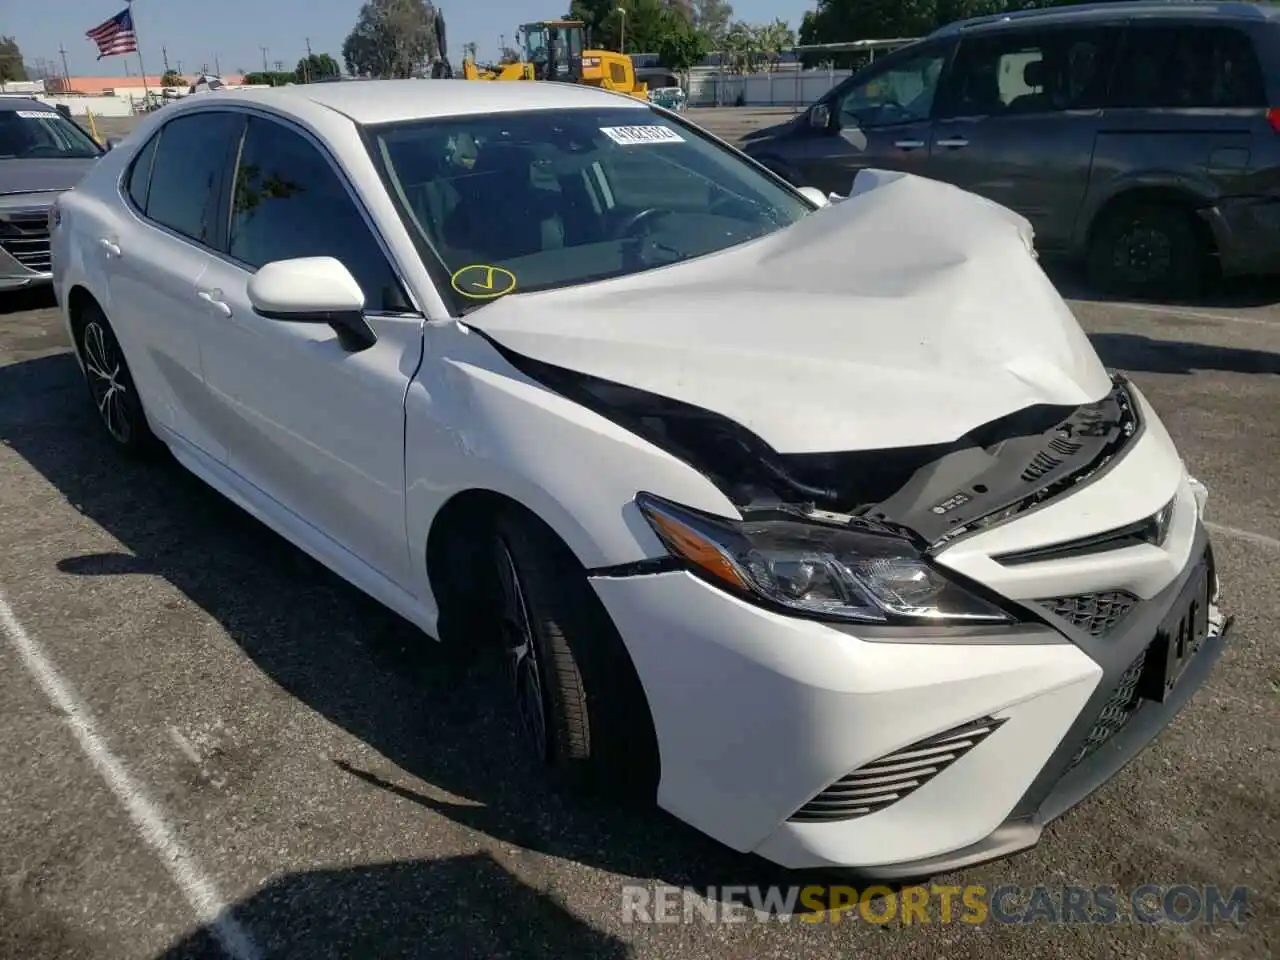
1235	293
433	716
1136	353
33	298
467	906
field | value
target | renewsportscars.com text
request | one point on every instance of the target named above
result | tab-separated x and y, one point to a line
972	904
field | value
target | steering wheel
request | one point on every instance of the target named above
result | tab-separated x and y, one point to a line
643	217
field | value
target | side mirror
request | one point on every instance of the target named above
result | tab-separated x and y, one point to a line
113	142
313	290
815	196
820	116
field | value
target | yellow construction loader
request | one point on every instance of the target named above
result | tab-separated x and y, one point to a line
553	50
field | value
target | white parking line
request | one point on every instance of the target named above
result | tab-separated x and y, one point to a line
1249	536
1195	314
147	818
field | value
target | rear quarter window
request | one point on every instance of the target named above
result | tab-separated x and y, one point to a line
1188	66
139	178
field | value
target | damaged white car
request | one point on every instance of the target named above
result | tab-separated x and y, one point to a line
820	525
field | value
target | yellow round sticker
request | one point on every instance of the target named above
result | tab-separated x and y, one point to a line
480	281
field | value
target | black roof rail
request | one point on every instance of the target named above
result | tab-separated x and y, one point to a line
1238	8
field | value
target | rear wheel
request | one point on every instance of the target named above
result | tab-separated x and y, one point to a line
578	703
1148	250
111	385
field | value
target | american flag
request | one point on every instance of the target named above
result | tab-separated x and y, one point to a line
115	36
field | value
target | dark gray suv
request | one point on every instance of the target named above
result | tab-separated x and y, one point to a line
1140	138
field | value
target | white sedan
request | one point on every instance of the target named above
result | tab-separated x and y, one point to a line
821	526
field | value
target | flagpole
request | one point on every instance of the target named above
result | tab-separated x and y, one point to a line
146	93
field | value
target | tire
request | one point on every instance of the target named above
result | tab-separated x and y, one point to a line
579	702
111	386
1148	250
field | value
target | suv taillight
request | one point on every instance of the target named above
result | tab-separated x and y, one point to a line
1273	118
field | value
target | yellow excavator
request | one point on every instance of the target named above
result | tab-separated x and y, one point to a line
553	50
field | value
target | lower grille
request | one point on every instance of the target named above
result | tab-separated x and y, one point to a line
25	237
884	782
1116	712
1094	613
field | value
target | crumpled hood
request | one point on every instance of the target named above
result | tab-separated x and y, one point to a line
40	176
907	314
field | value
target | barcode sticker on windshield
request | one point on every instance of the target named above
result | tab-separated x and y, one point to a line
35	114
650	133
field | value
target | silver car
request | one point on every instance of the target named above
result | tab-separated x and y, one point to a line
42	153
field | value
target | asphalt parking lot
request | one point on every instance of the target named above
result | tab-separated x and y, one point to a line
206	735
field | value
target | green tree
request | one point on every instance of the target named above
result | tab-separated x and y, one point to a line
172	78
274	78
12	69
772	39
316	66
681	46
602	21
391	38
711	18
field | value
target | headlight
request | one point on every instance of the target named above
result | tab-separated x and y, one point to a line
822	570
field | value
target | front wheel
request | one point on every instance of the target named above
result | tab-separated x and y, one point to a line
578	702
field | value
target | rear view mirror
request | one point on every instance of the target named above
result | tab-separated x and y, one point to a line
820	116
113	142
313	290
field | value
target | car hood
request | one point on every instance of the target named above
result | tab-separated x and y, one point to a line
41	176
909	313
768	133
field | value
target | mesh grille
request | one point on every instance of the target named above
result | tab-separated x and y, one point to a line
1094	613
883	782
25	237
1116	712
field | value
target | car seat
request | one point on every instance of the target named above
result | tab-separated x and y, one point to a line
501	213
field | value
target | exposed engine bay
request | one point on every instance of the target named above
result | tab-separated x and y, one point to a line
934	493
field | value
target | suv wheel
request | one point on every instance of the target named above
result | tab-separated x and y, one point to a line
1148	250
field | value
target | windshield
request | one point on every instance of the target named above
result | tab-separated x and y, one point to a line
42	134
553	198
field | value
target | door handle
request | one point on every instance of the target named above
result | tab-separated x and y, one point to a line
112	248
953	142
214	302
908	144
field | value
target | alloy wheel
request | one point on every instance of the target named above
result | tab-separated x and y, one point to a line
104	367
522	654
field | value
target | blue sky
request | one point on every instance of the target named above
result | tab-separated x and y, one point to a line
196	32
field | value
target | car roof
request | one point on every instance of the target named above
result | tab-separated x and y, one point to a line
382	101
24	103
1142	9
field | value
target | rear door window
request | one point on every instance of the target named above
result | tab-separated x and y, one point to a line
189	171
1188	66
1023	72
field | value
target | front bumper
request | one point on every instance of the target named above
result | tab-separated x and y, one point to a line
757	714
